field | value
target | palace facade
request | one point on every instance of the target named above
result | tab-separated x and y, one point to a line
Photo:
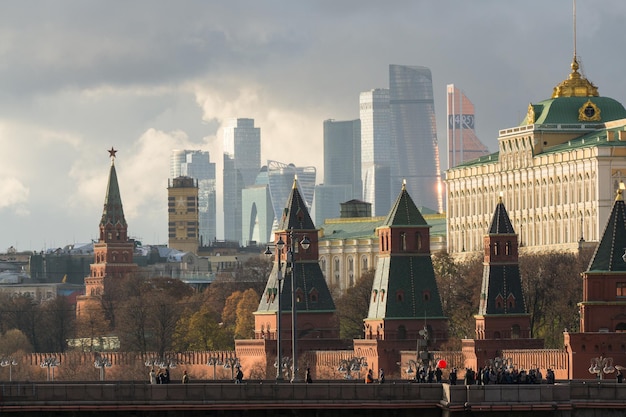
556	172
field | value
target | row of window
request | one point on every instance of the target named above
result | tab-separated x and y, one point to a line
525	195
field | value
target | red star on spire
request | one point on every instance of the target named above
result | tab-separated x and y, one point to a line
112	152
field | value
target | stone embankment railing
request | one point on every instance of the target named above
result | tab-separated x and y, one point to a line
573	398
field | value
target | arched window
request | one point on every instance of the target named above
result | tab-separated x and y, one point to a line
515	331
401	332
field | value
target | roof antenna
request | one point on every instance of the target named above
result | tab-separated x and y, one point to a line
574	19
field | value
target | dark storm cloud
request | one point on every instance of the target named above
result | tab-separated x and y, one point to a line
77	76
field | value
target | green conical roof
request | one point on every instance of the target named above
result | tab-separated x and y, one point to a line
113	213
404	212
295	214
501	289
500	223
610	251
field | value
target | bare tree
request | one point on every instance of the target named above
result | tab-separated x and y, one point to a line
353	307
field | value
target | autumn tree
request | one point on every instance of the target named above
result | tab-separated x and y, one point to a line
247	305
202	330
13	341
353	306
229	313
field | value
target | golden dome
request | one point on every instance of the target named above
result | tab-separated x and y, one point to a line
576	85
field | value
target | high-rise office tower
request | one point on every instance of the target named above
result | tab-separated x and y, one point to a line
342	168
414	135
281	179
258	214
242	162
342	155
197	165
463	145
375	149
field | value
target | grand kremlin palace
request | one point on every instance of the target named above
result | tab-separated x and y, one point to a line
556	172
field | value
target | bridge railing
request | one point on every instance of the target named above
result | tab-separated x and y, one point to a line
270	395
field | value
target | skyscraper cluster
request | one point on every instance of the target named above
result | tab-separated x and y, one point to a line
393	141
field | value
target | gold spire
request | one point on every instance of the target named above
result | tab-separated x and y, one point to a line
404	184
575	85
620	190
295	182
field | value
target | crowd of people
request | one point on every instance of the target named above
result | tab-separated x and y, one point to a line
160	377
492	375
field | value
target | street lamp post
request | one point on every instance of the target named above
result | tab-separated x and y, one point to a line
600	366
214	361
305	243
231	363
413	368
102	362
50	362
10	362
279	277
347	366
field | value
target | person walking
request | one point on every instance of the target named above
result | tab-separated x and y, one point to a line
152	376
307	376
239	376
369	378
185	378
381	376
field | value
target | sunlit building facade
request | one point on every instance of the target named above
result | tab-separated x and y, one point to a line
197	164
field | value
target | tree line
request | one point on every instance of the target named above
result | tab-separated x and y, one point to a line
164	314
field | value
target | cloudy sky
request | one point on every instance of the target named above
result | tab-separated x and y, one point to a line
77	77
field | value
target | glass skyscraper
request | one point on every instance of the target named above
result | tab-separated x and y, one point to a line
342	168
415	151
376	149
197	164
281	176
342	155
242	162
258	214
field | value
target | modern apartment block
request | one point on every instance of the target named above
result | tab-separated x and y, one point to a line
242	162
376	149
414	145
197	164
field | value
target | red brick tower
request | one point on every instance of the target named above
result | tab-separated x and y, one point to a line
502	321
405	308
113	253
602	333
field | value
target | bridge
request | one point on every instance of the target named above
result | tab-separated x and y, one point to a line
268	398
